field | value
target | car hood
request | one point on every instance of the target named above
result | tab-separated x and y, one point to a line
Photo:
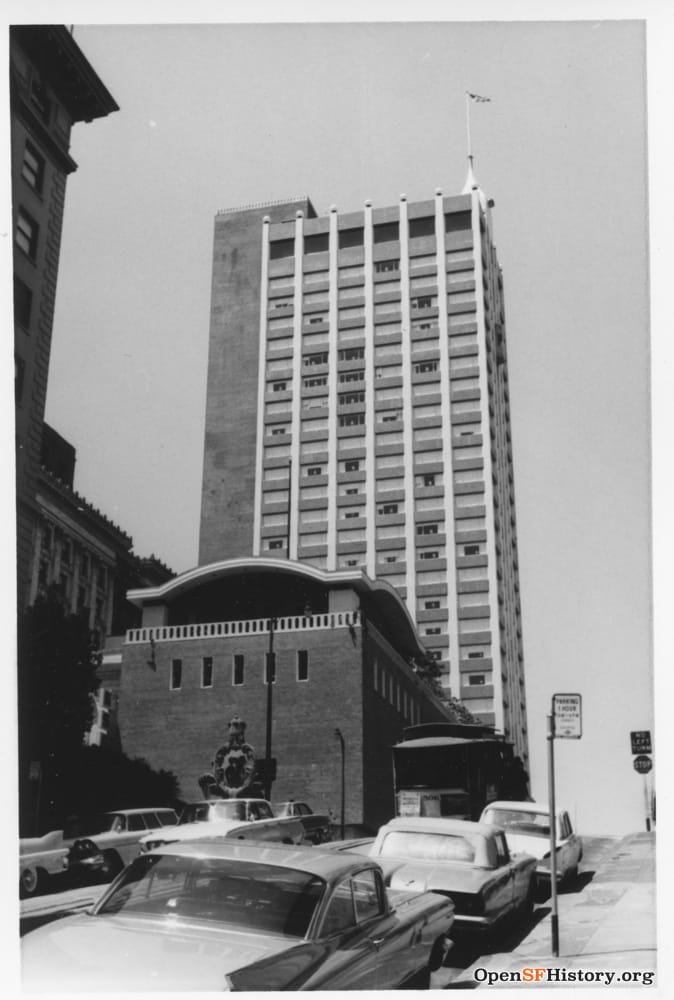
116	954
416	876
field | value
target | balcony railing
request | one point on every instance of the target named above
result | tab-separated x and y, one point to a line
252	626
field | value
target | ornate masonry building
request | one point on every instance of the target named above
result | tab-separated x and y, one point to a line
358	418
53	87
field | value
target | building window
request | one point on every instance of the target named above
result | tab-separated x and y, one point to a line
351	466
352	420
350	238
302	665
351	354
207	672
316	243
176	675
434	630
356	376
427	529
428	480
315	470
275	543
471	550
388	508
279	386
346	398
382	266
32	168
426	366
19	377
475	656
315	359
476	679
26	234
39	99
386	232
23	303
431	605
422	302
281	248
314	383
270	668
237	670
422	227
428	555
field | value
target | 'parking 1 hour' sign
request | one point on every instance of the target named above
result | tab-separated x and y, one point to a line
566	711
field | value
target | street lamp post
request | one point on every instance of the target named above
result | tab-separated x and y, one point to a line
338	734
270	672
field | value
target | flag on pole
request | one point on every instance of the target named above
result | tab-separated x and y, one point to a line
477	97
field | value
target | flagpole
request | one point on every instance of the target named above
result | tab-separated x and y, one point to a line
470	151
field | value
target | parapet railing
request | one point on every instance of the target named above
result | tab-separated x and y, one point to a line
251	626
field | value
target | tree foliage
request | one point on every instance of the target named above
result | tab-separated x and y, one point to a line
58	775
429	670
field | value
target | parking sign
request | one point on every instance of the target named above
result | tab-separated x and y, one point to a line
567	713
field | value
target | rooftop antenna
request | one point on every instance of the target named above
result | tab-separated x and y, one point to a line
477	99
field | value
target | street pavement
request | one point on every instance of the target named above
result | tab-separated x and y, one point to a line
607	924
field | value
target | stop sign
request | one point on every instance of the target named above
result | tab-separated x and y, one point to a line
642	764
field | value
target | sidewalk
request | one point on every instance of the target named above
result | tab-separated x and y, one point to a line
609	927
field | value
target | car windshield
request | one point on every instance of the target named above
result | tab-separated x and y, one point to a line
419	846
520	821
89	826
252	897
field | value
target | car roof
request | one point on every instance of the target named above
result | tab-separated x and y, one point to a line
529	807
314	861
441	824
135	812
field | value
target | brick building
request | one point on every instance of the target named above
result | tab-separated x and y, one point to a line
343	650
52	88
358	417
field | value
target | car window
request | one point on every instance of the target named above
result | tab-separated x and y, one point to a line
135	822
339	914
303	809
166	817
367	895
246	895
419	846
519	821
502	854
117	824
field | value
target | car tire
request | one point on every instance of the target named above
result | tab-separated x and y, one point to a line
113	864
30	880
529	900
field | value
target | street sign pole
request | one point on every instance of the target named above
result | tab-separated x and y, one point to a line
647	805
554	919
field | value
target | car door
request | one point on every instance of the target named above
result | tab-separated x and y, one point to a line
499	893
356	927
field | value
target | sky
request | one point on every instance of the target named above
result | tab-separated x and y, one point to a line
216	115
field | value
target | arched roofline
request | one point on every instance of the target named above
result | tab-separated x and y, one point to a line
385	596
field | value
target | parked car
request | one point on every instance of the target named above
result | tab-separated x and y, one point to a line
217	915
470	862
116	835
316	825
527	829
41	859
279	831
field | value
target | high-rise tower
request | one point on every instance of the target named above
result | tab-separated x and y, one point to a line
358	415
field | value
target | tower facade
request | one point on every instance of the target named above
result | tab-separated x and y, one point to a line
358	376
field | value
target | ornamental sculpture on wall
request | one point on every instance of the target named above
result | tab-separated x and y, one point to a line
233	765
